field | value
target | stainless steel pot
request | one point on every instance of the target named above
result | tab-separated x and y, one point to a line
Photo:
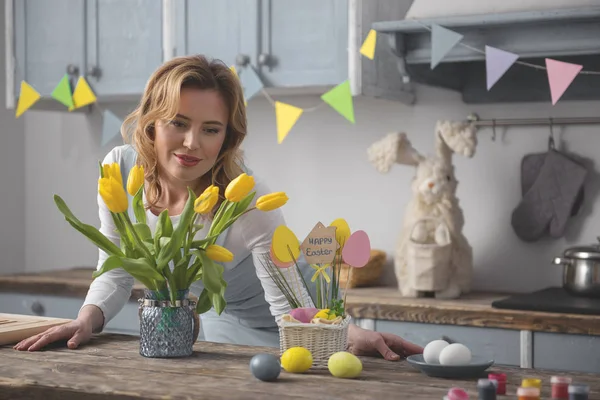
581	270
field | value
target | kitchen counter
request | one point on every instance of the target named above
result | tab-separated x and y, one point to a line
379	303
473	309
110	367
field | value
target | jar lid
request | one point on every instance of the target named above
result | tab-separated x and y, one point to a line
528	391
499	377
579	388
583	252
484	383
456	393
531	382
560	379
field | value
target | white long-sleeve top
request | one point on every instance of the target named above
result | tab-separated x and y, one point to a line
251	294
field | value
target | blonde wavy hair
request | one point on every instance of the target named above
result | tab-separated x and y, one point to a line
160	101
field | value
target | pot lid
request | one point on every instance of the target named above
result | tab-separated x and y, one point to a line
584	252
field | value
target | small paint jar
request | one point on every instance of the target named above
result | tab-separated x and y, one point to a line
486	389
560	387
456	393
501	382
528	393
530	382
578	391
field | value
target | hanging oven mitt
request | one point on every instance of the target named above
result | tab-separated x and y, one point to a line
547	205
531	165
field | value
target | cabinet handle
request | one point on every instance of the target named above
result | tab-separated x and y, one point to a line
72	69
264	59
95	71
37	308
242	60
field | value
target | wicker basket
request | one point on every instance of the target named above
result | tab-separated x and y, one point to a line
320	339
366	276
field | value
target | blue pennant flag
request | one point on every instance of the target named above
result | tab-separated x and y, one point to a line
251	82
442	41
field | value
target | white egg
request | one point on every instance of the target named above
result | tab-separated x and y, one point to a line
431	352
455	354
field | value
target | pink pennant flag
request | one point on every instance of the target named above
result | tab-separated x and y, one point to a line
560	76
497	62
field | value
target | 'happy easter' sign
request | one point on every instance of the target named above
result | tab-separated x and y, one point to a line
320	245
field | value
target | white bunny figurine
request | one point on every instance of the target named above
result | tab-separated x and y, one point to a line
434	197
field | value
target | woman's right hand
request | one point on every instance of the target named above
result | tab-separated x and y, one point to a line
76	332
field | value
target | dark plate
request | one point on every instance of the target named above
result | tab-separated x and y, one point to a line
475	369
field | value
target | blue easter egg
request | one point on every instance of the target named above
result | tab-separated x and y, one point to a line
265	367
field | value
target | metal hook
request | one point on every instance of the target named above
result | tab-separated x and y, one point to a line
494	130
551	145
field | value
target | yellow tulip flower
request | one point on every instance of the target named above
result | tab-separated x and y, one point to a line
113	194
271	201
239	188
207	200
113	170
135	180
218	253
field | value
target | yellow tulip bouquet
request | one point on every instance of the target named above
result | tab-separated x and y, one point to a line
146	255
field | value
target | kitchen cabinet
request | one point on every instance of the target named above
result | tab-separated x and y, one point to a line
125	322
566	352
114	44
501	345
290	43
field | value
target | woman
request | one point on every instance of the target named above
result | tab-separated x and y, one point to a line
187	131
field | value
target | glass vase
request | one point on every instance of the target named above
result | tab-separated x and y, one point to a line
167	330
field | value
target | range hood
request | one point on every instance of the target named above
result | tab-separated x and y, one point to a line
568	34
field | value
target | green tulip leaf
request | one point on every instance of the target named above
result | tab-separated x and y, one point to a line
211	274
143	231
242	205
219	302
112	262
164	227
141	269
91	232
138	206
204	302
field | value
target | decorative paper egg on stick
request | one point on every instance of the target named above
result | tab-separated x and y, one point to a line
285	245
356	253
278	263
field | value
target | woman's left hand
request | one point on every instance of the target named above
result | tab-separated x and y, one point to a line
363	342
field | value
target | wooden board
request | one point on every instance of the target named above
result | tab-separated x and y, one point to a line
15	327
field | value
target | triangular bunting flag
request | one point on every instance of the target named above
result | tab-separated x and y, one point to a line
442	41
560	76
368	47
251	82
83	94
62	92
497	62
27	98
111	126
286	116
340	99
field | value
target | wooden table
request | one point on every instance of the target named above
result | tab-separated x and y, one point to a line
110	367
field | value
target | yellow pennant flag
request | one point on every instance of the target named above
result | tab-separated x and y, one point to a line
27	98
286	116
368	47
82	95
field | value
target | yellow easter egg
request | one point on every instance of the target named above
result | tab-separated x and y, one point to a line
324	313
342	231
344	365
285	241
296	360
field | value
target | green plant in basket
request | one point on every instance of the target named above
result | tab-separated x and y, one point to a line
147	256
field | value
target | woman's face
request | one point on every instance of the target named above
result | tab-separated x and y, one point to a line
188	146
